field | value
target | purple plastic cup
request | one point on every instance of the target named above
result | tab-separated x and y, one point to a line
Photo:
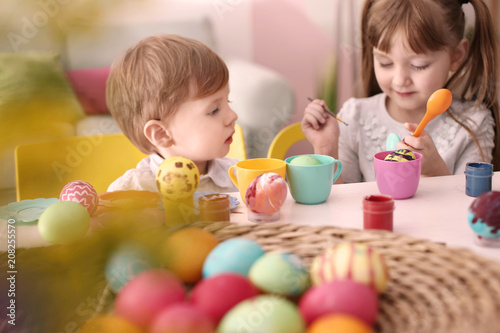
397	179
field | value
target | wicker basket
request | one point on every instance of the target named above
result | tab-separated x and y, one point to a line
433	288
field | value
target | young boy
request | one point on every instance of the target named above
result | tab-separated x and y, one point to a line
169	96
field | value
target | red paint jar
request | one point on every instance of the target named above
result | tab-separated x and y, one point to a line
378	212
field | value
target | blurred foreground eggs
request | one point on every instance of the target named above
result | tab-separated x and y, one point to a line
64	222
354	261
233	255
280	273
147	295
177	178
109	324
125	263
81	192
264	313
185	251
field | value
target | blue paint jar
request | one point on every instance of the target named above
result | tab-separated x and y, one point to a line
478	178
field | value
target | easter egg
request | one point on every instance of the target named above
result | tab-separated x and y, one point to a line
305	160
185	251
177	178
81	192
147	295
217	294
125	263
339	323
266	193
354	261
400	155
265	313
346	297
233	255
109	324
280	273
484	215
392	141
64	222
182	318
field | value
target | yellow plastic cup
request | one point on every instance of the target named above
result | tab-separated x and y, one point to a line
243	172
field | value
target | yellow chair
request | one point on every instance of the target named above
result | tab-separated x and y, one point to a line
43	168
237	149
285	139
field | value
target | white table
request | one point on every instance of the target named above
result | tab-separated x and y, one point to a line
437	212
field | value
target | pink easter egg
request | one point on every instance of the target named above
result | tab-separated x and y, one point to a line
340	297
147	295
182	318
216	295
266	193
81	192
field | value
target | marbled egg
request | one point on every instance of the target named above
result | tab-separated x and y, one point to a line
266	193
354	261
81	192
280	273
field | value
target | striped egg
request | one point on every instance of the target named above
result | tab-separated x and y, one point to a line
81	192
352	261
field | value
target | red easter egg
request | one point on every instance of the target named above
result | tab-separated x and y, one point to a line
81	192
340	297
182	318
216	295
147	295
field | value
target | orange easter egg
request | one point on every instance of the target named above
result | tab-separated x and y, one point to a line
339	323
109	324
184	252
352	261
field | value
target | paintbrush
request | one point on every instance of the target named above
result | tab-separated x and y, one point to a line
330	113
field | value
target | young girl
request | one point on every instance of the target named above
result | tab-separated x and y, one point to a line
411	49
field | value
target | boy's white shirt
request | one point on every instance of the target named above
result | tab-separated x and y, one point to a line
370	124
143	177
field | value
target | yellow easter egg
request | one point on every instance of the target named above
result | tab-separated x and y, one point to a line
109	324
177	178
353	261
185	251
339	323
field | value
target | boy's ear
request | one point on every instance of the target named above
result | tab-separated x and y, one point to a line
459	54
158	134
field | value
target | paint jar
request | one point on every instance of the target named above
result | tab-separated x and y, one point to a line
478	178
378	212
214	207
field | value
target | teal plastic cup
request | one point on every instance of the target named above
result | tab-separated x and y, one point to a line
312	184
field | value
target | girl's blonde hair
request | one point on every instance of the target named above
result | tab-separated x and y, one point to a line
435	25
155	77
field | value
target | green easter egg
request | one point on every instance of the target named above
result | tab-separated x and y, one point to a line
265	313
64	222
280	273
305	160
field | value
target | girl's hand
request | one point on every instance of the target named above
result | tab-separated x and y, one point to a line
432	163
321	129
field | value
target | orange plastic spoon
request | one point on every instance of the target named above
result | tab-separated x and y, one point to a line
438	103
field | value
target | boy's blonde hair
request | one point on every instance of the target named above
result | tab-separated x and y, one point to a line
155	77
435	25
